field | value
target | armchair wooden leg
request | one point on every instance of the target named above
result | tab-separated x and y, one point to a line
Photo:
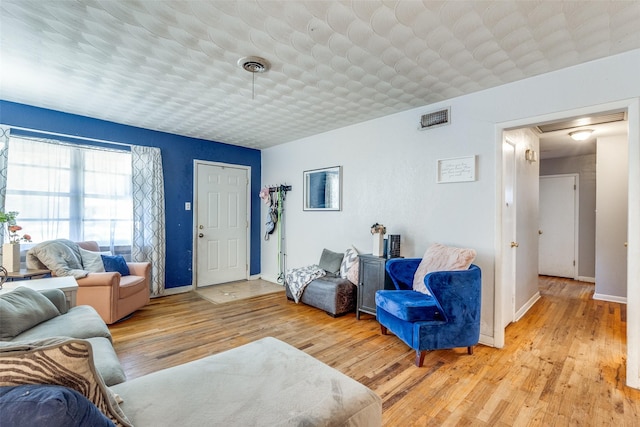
383	330
470	349
419	357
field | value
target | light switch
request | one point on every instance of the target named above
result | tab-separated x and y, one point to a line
187	206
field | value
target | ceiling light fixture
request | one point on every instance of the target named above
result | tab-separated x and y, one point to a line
254	64
581	135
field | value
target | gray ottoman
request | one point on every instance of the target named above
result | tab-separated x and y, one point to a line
332	294
263	383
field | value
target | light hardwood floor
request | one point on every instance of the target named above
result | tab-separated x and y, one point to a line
564	362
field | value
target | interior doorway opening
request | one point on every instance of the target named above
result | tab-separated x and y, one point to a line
631	126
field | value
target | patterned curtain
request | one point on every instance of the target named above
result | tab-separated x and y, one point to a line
4	157
149	213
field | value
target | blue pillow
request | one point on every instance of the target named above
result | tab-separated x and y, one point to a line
48	405
115	263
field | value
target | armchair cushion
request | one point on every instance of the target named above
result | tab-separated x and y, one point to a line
115	263
92	261
439	257
411	306
129	285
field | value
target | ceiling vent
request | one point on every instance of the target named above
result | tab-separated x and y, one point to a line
435	119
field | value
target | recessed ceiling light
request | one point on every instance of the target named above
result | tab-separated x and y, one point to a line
581	135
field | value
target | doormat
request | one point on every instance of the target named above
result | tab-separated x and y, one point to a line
236	291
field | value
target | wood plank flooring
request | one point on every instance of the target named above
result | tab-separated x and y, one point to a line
564	362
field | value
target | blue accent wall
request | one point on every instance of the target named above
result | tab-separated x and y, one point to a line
178	155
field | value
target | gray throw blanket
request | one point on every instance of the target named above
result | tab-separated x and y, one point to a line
61	256
298	278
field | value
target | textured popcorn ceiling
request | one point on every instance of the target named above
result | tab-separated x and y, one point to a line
172	65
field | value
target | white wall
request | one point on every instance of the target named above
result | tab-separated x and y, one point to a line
390	169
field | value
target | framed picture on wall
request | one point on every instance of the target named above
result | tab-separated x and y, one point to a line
323	189
459	169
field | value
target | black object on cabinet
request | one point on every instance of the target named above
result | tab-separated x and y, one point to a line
373	277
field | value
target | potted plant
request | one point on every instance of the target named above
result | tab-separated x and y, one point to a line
11	249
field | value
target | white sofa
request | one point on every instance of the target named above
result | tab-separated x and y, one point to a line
263	383
27	316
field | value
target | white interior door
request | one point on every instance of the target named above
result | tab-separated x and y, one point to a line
612	217
221	224
557	240
509	232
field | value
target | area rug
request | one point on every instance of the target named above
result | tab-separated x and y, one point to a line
236	291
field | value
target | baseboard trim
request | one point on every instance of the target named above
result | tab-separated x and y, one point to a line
586	279
610	298
272	279
523	310
487	340
177	290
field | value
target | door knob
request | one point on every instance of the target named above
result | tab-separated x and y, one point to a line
201	227
626	244
200	235
539	231
514	245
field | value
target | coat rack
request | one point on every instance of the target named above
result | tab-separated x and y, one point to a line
281	187
275	220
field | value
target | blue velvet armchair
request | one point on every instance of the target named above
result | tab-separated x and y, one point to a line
448	318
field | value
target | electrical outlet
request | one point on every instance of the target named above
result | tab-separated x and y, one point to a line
187	206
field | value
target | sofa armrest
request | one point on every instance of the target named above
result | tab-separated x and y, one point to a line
109	278
58	298
142	269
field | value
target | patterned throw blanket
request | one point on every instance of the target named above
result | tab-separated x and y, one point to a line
298	278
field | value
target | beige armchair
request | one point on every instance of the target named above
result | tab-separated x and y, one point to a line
112	295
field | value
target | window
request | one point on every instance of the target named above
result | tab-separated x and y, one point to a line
69	191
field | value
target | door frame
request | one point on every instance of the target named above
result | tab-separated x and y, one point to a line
576	218
194	213
508	299
632	106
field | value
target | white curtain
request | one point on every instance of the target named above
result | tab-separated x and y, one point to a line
149	213
4	156
71	191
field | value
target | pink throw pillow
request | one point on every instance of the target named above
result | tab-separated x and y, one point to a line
439	257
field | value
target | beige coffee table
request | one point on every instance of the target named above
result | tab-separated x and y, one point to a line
66	284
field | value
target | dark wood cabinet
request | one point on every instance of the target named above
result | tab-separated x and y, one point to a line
373	277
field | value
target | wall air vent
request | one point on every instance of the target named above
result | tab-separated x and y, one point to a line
435	119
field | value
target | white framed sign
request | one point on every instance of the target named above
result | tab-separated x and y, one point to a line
459	169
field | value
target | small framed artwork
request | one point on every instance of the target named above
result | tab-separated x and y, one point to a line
322	189
459	169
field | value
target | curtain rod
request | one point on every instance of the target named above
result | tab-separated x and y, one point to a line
83	138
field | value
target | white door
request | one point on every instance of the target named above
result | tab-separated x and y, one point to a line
509	232
612	216
557	239
221	224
